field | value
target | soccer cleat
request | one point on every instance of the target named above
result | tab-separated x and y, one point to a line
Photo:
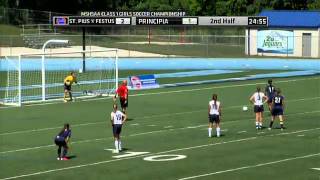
65	100
58	158
64	159
269	128
115	151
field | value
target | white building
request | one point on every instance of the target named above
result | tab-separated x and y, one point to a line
290	33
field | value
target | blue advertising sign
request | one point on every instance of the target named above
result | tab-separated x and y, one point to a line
143	82
275	41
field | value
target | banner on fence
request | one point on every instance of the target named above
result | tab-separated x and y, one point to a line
143	82
275	41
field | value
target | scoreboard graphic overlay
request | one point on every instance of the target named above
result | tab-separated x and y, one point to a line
145	20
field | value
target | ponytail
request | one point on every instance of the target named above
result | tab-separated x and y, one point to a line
215	97
258	90
66	126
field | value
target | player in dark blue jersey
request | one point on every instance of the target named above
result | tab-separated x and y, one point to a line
277	108
62	140
270	92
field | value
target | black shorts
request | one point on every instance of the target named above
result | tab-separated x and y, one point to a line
277	111
123	102
60	142
67	87
257	108
214	118
116	128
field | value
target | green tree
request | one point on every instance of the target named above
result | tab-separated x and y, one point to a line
313	4
4	3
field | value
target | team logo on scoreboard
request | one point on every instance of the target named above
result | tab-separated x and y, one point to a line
60	20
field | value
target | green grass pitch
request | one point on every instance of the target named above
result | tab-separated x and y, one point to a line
171	121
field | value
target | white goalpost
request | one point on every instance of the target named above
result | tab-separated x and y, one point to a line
34	78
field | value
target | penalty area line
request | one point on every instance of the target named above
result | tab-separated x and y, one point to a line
251	166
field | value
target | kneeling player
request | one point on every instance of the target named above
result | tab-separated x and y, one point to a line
62	140
214	111
277	108
117	119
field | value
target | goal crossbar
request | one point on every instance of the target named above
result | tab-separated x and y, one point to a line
101	78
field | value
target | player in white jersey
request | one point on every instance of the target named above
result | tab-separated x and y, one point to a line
258	99
214	112
117	119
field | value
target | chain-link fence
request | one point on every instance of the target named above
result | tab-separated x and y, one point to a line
26	16
166	45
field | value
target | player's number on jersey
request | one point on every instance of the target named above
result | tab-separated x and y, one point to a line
119	117
277	99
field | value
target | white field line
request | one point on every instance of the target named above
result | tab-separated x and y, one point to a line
163	152
145	133
143	117
239	132
136	124
169	92
250	166
168	127
316	169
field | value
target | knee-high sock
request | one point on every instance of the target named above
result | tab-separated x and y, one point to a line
209	131
70	96
59	151
116	144
120	148
65	151
271	123
218	132
281	124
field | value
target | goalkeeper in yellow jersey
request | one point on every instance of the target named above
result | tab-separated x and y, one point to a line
68	81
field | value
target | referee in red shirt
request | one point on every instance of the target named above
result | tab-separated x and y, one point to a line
122	92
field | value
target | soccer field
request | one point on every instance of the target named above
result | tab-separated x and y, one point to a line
166	136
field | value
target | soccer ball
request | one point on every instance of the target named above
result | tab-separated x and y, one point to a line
244	108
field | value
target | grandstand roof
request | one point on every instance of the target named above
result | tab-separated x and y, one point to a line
292	19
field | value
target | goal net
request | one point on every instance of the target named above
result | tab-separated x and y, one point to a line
31	78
